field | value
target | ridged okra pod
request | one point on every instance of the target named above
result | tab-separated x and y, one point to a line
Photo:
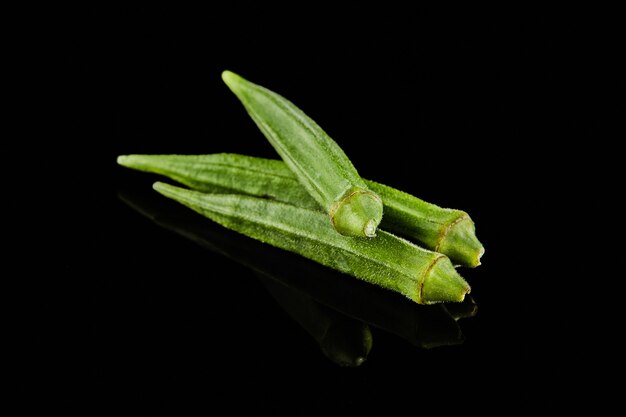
425	326
448	231
227	173
388	261
317	161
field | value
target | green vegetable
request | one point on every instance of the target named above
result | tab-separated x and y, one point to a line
227	173
317	161
388	261
447	231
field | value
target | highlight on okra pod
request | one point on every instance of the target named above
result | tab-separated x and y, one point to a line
316	160
447	231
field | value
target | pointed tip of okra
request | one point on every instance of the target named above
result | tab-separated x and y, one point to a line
357	214
170	191
164	188
231	79
184	196
443	283
123	160
139	162
460	243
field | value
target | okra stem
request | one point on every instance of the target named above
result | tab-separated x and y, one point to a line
317	161
447	231
388	261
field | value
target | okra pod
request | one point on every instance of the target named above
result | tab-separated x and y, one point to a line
447	231
227	174
317	161
388	261
424	326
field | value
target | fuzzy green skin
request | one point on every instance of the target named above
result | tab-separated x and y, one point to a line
447	231
388	261
317	161
227	173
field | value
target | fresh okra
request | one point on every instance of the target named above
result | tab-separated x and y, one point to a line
447	231
388	261
426	326
317	161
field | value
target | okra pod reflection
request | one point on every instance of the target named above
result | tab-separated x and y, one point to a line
422	325
344	340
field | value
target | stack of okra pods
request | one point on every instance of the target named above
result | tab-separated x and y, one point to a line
314	203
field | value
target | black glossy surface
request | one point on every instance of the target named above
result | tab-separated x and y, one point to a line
437	106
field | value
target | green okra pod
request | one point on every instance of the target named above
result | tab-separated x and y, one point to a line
464	310
447	231
388	261
227	173
426	326
317	161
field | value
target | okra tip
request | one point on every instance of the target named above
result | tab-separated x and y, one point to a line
123	160
139	162
231	79
461	244
176	193
358	214
442	283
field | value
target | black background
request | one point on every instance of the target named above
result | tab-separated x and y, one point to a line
456	107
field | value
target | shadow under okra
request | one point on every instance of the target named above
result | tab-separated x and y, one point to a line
333	308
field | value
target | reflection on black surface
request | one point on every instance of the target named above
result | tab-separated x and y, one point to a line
344	340
463	310
335	309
